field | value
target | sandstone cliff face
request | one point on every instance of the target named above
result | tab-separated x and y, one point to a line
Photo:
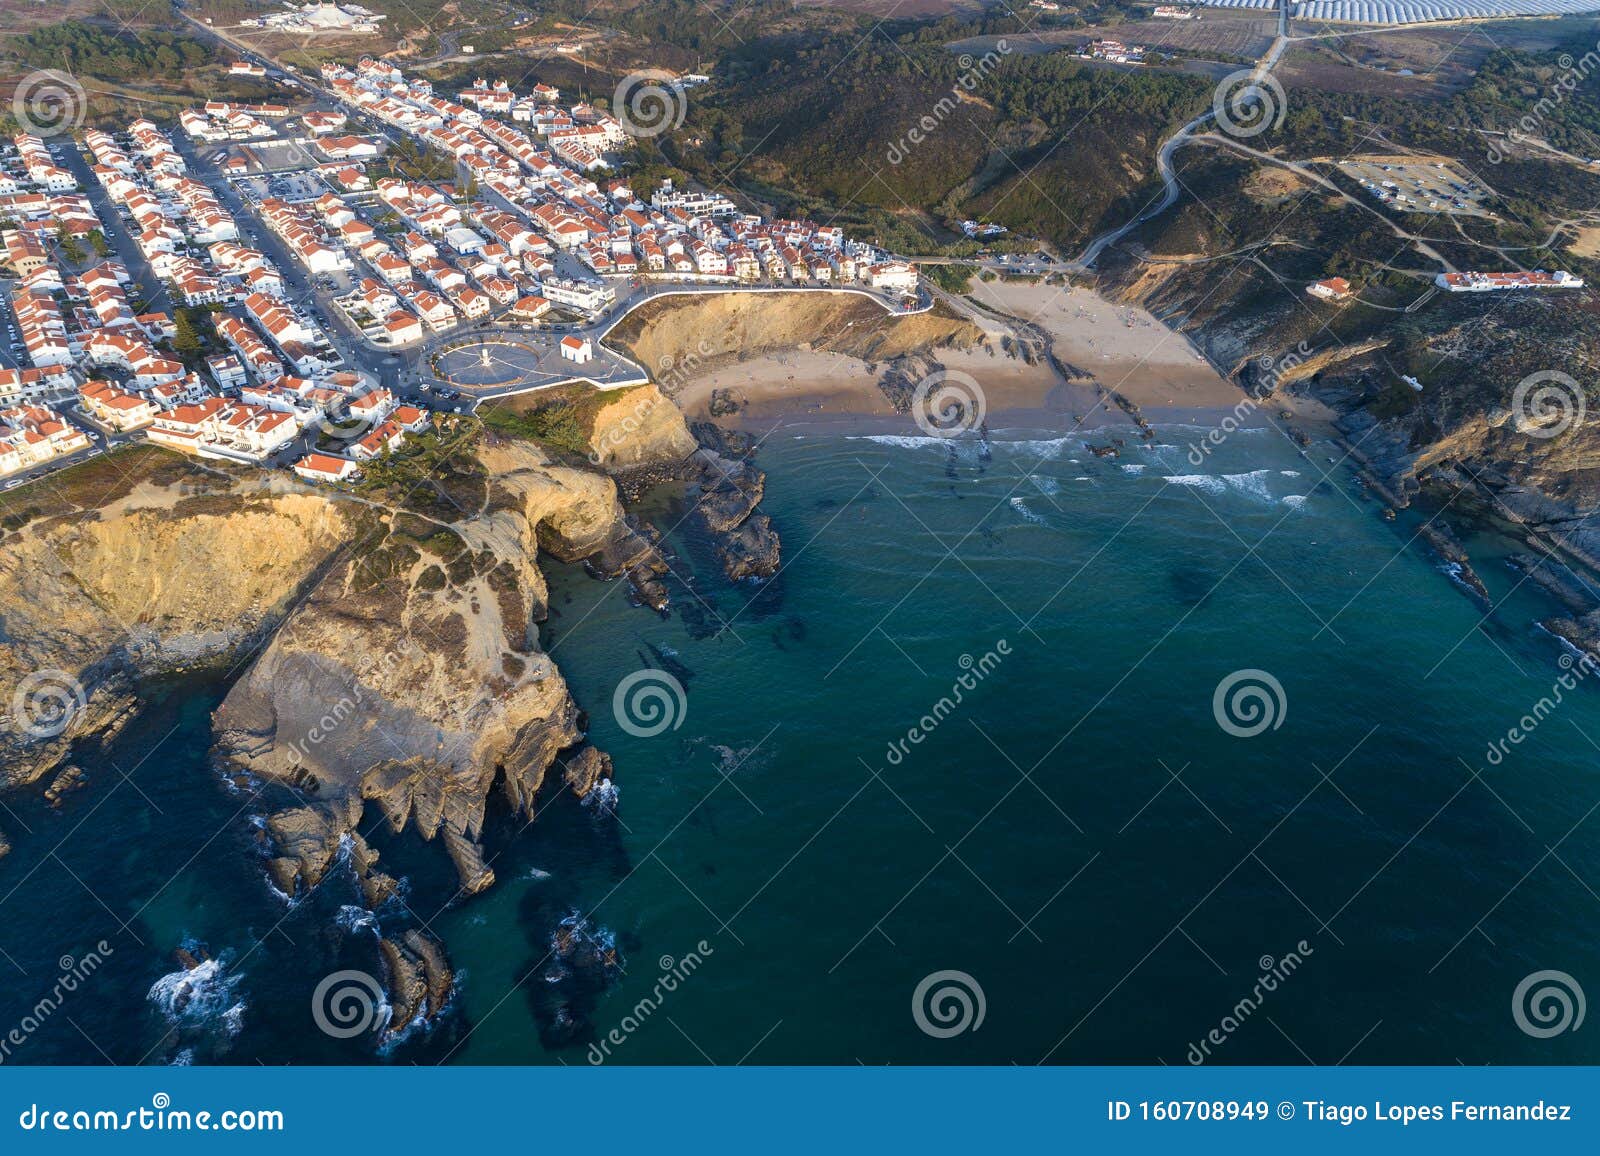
641	429
153	582
1504	423
409	677
393	637
677	336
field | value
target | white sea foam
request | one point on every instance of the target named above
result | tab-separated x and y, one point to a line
1289	473
1295	501
200	998
970	446
1045	486
1253	483
1133	468
899	441
1021	507
354	919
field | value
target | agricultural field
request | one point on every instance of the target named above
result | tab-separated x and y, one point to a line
1218	35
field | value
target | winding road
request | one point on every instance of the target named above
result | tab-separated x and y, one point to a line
1169	179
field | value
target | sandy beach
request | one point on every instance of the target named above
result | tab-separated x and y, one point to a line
1124	349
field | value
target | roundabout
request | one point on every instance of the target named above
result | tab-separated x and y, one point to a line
487	362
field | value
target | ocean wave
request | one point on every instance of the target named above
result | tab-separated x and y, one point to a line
1253	483
972	446
1021	507
1046	486
200	1001
602	799
1295	501
898	441
354	919
1134	468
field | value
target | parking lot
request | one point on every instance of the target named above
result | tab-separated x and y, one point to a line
1417	185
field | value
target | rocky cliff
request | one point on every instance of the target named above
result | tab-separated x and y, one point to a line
1479	406
409	678
170	570
387	639
676	337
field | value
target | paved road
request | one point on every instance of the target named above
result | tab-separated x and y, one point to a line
1169	180
1169	193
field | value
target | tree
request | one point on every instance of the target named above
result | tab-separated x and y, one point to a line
186	341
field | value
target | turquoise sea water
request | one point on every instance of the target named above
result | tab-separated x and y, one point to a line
1077	835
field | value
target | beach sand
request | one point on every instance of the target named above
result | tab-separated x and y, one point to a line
1121	348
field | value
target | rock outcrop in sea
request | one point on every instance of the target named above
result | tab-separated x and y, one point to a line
385	645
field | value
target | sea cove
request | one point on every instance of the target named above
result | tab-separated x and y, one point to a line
1084	840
